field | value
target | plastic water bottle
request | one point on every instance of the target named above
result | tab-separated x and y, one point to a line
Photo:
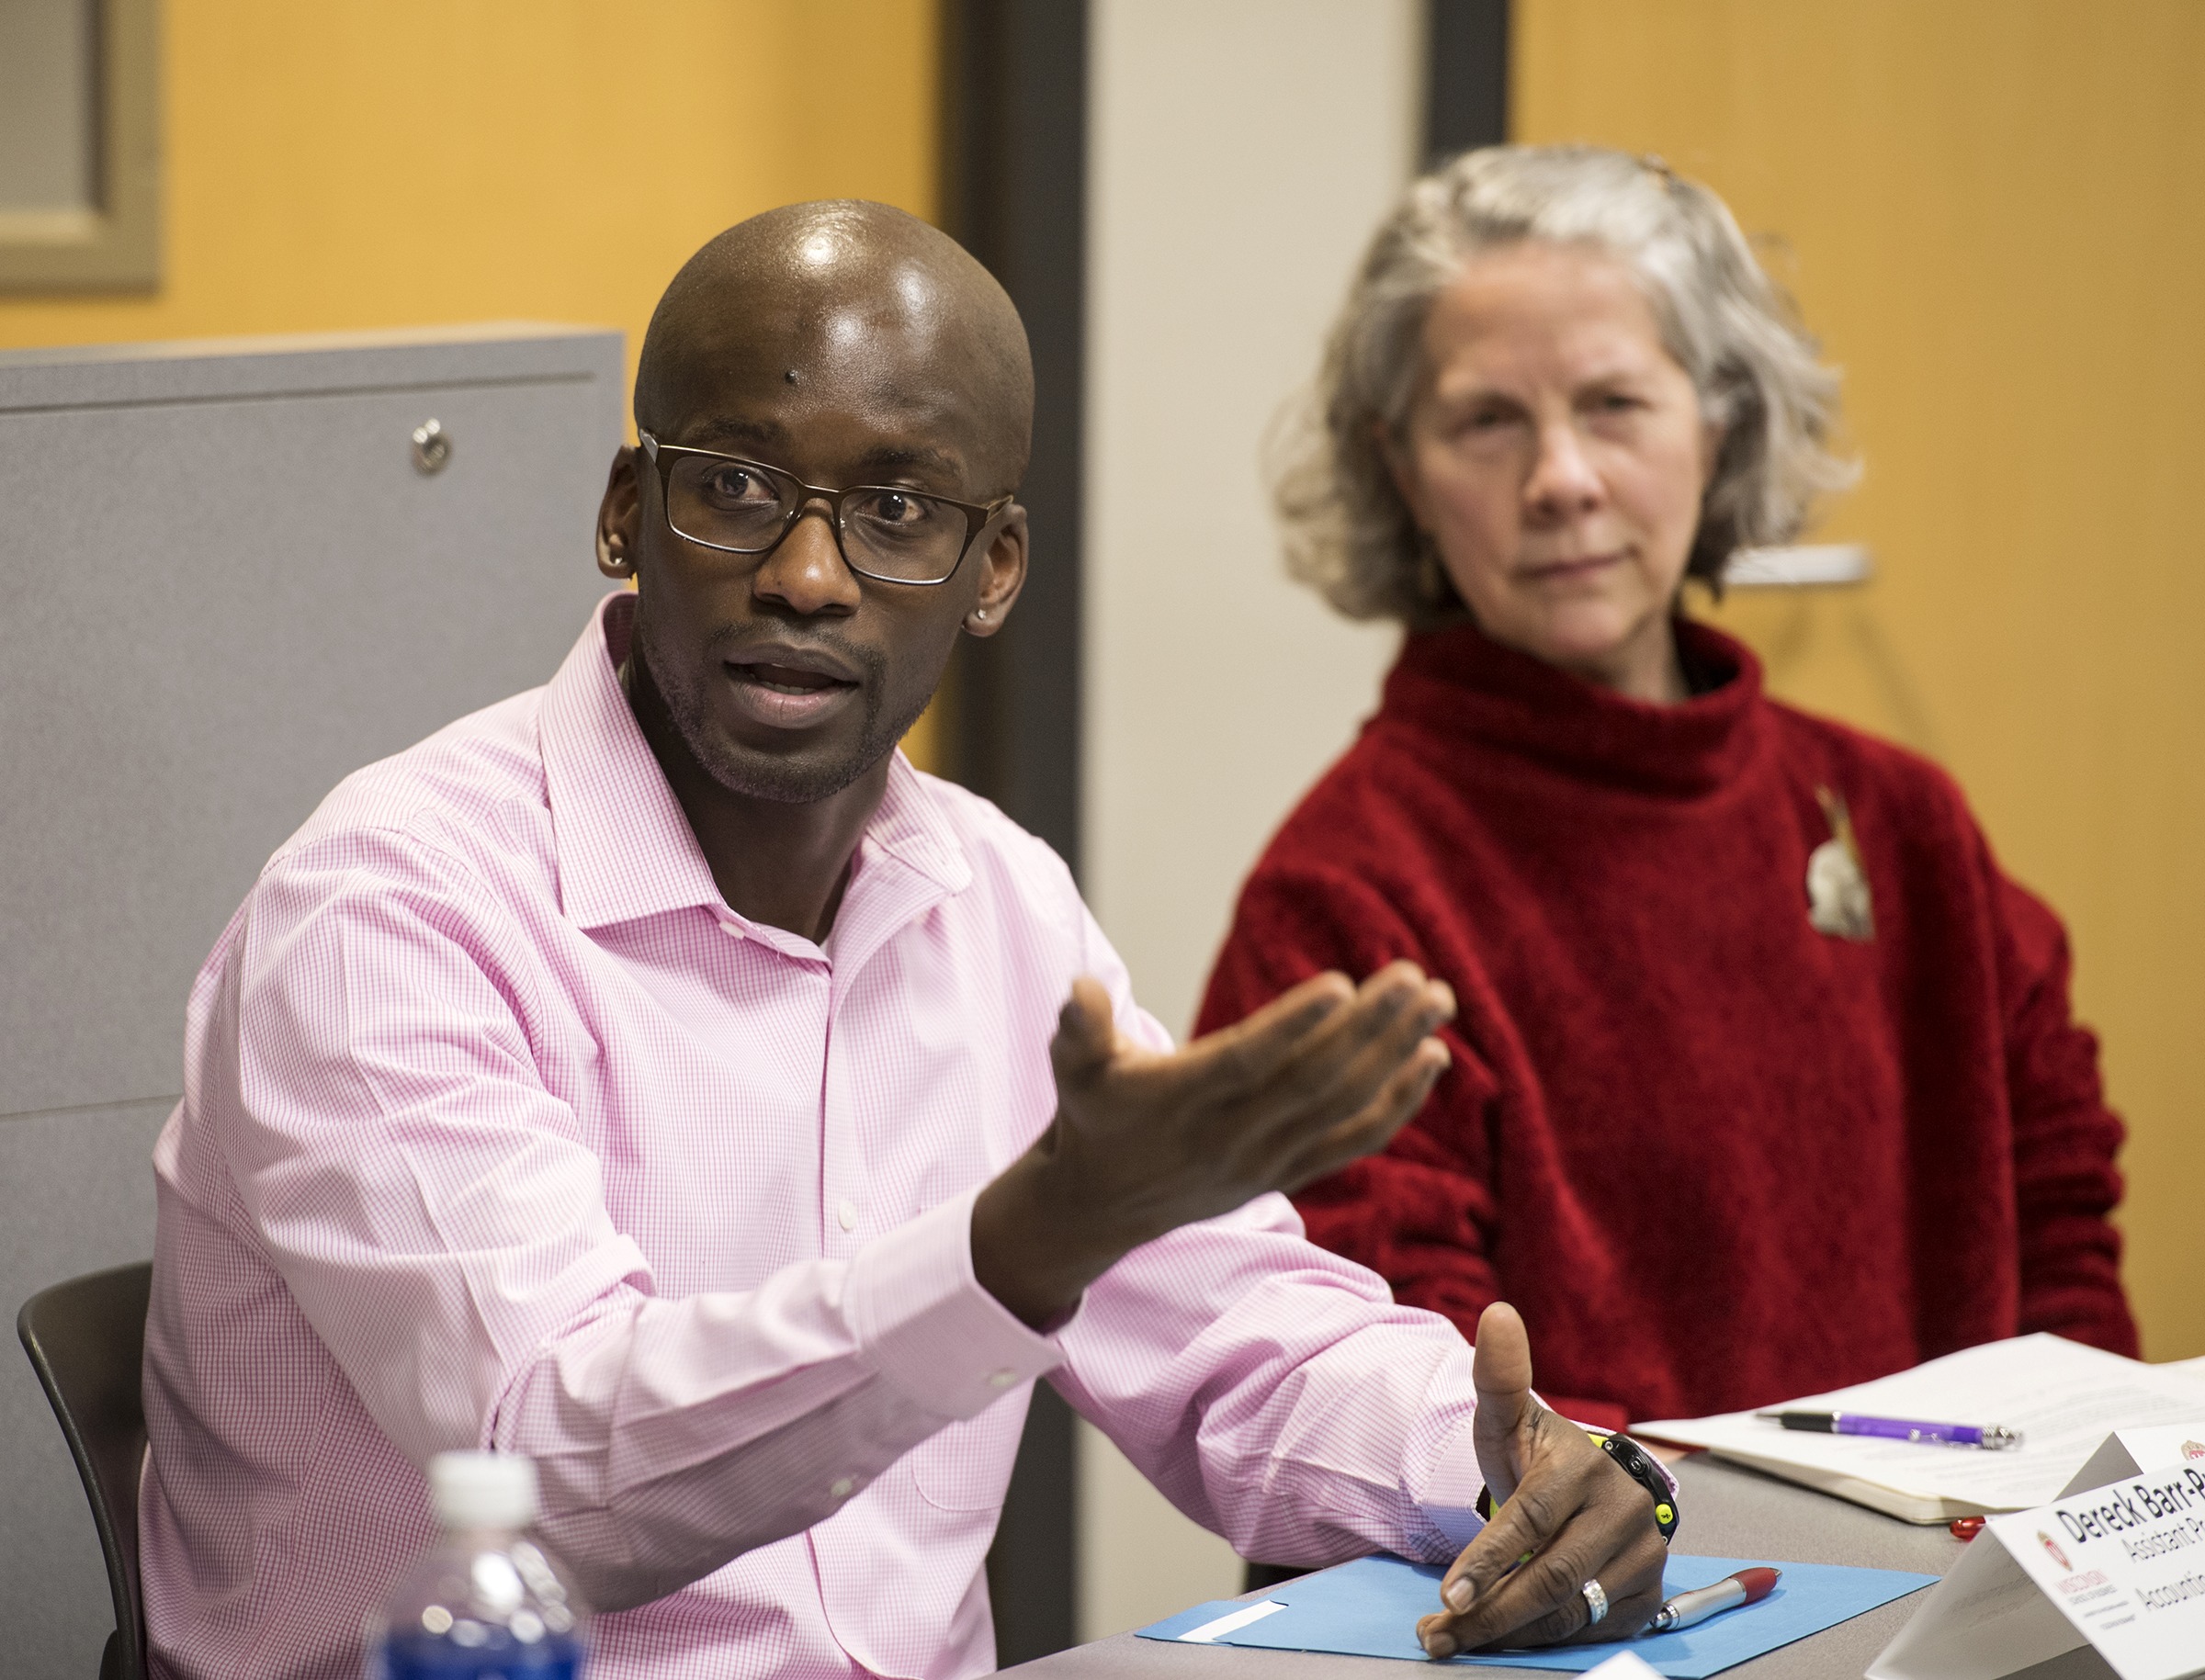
485	1601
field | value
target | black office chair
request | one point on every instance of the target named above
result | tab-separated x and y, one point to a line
86	1340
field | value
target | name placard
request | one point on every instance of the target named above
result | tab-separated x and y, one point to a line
2121	1568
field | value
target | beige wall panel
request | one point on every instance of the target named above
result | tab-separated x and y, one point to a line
1989	211
1241	152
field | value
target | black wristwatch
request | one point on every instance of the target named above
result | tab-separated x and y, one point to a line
1635	1462
1638	1464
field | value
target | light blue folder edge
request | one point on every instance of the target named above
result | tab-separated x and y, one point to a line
1369	1609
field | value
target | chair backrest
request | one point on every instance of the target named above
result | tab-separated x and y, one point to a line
86	1340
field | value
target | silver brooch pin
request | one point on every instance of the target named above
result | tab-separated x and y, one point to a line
1837	900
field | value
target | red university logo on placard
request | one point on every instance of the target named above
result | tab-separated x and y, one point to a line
2191	1449
2051	1546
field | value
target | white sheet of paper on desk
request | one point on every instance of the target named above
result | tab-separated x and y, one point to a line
2064	1398
1232	1621
1623	1666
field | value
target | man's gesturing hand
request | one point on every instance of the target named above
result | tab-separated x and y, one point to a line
1145	1142
1564	1513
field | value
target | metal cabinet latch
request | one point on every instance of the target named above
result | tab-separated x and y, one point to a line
432	448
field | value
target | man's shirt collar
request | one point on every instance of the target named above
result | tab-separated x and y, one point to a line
624	847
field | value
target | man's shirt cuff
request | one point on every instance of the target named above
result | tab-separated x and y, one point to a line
923	1320
1453	1485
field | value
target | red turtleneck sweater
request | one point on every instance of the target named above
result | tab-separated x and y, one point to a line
1717	1158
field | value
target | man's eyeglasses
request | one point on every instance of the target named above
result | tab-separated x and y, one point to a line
884	531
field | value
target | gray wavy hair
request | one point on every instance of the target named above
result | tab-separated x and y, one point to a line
1348	533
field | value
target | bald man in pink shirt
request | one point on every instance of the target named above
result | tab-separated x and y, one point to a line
655	1075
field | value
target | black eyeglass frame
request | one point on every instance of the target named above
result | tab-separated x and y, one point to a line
978	515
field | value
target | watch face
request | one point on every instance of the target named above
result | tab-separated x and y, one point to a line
1639	1465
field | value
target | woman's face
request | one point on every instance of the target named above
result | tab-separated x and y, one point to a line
1556	455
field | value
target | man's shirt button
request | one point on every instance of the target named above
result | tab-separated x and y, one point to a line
846	1216
1006	1378
841	1486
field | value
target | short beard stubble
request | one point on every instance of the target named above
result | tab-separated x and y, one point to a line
760	775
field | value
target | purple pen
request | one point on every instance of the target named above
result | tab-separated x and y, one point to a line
1991	1437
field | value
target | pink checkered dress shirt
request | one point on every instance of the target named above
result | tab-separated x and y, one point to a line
500	1128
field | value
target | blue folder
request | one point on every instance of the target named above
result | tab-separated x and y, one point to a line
1369	1609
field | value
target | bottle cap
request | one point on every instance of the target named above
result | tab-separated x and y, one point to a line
483	1490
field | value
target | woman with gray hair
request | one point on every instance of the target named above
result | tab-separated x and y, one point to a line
1765	1078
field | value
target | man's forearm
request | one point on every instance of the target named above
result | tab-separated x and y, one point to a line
1035	1247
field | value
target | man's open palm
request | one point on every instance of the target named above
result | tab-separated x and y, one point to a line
1145	1142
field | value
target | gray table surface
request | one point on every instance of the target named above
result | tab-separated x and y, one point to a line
1729	1513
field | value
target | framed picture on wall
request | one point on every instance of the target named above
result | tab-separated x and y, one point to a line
79	146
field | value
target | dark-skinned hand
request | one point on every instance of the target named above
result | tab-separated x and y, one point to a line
1564	1513
1144	1143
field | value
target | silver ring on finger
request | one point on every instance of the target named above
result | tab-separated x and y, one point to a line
1596	1601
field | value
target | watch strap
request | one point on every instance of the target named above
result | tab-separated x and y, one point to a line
1639	1464
1635	1462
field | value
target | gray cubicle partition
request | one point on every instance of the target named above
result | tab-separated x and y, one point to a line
233	571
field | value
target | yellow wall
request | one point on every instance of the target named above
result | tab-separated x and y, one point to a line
1989	210
344	163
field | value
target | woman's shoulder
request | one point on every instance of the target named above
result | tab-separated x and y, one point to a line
1868	770
1352	879
1371	809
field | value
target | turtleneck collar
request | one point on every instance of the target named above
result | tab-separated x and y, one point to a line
1458	682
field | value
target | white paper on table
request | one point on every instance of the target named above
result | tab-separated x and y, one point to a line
2063	1396
1210	1632
2120	1568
